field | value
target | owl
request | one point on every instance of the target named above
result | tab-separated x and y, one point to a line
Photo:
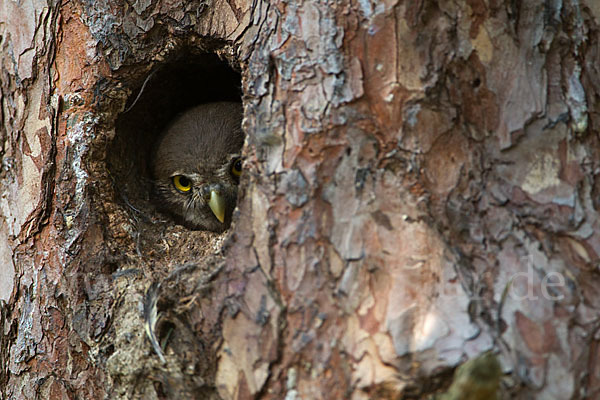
197	165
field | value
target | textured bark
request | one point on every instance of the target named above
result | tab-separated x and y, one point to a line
420	187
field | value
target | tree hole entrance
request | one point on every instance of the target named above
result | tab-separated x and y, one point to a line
165	93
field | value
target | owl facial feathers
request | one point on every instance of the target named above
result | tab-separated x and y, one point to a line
196	165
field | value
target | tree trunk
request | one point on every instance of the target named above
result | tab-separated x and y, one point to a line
420	188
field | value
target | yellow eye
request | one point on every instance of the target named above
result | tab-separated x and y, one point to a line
236	167
182	183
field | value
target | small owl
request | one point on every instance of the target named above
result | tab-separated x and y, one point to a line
197	165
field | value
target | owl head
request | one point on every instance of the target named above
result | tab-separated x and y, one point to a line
197	165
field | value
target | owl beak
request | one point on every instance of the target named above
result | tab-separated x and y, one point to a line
217	205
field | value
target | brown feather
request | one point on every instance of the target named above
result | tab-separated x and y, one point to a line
200	144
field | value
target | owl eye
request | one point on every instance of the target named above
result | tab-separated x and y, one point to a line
182	183
236	167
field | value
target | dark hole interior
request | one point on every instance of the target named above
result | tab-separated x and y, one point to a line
169	90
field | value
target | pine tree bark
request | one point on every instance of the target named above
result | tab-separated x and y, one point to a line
420	188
